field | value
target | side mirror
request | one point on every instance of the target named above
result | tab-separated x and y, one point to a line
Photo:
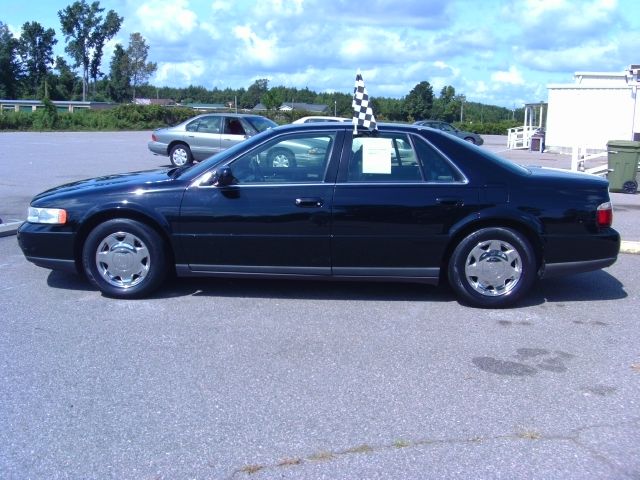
223	178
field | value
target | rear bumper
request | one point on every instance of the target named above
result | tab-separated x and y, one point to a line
158	148
569	254
569	268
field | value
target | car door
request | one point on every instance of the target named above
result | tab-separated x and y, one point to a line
233	131
394	205
203	136
272	219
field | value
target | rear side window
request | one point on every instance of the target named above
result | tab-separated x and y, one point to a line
387	157
209	125
436	168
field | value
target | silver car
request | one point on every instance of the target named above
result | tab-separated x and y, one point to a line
205	135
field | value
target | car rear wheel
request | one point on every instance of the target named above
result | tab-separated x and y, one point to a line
180	155
492	267
124	258
470	140
281	158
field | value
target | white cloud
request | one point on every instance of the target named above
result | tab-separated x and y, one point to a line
179	73
511	77
169	20
591	56
261	50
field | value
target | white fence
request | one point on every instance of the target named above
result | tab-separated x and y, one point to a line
520	137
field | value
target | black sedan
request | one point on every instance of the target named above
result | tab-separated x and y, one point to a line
404	203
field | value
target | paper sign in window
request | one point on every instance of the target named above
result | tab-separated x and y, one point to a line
376	155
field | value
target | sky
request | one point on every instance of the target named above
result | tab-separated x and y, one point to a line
496	52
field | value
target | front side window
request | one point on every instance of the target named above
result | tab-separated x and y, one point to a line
301	158
387	157
233	126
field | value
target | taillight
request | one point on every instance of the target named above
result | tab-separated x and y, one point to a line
604	215
153	137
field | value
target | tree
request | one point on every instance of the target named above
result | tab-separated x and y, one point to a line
447	106
86	32
419	103
9	66
35	47
66	84
139	69
119	77
272	99
447	93
254	93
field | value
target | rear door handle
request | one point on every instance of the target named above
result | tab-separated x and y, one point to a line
450	201
309	202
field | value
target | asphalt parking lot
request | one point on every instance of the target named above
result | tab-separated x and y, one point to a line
220	379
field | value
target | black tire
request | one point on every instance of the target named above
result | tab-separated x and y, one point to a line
180	155
470	140
124	258
281	158
492	268
630	187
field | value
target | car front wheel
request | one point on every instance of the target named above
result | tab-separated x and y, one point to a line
492	267
124	258
180	155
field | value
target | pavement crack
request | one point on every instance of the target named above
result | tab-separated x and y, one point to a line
573	436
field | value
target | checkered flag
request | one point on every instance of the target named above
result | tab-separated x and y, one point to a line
362	112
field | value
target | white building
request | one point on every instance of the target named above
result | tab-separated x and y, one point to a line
597	108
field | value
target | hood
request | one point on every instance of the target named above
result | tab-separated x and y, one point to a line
125	181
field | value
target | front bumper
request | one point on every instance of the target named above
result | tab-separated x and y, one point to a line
48	246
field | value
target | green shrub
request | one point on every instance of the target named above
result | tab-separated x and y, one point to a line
16	121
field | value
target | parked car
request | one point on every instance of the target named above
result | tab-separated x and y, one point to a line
205	135
320	118
447	127
404	204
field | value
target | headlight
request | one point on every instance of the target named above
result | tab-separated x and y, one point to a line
53	216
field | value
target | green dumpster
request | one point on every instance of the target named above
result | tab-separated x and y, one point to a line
623	157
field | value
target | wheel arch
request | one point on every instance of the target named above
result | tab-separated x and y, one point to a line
530	228
174	143
161	227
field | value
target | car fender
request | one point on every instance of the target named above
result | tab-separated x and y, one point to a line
499	216
132	210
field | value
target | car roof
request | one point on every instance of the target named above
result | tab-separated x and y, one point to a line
348	126
320	118
227	114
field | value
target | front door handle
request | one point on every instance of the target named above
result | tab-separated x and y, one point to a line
309	202
450	201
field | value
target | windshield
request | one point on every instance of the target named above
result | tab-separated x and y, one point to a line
261	124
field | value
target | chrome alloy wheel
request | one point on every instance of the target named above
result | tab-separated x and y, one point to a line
179	156
123	260
493	268
280	160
